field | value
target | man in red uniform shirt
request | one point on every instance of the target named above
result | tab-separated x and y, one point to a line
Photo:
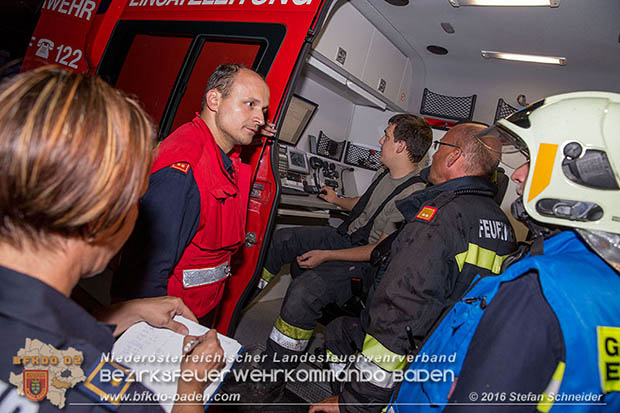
192	218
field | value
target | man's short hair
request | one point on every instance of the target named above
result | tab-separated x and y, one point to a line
74	156
415	131
482	155
223	78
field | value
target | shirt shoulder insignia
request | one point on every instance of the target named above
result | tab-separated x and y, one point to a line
107	383
181	166
427	213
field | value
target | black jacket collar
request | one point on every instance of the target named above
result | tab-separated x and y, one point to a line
410	206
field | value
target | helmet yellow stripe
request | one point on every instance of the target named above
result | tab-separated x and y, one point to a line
542	169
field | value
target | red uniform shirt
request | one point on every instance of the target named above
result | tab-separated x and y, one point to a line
223	201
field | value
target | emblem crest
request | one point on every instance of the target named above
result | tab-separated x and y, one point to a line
36	384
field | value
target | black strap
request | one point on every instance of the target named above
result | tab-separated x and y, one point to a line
362	234
360	205
537	247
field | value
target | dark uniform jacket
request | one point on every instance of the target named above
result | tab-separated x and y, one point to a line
54	320
455	230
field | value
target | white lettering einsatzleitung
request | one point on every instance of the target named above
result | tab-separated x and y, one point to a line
170	3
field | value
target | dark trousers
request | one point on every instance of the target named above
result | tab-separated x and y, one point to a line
344	336
313	289
288	243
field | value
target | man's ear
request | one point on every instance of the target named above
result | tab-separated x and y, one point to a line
400	146
453	157
214	97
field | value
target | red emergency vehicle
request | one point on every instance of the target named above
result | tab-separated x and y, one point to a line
163	51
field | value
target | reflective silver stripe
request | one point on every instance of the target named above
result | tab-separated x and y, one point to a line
374	374
204	276
262	283
288	342
337	367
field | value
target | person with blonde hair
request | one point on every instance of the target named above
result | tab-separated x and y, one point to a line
75	156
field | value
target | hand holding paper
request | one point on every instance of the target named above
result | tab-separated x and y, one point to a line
211	353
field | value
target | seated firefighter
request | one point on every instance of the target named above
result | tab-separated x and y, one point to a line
454	230
548	336
332	256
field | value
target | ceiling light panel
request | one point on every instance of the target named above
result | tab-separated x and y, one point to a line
524	57
510	3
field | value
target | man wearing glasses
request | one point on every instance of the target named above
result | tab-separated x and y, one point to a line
454	231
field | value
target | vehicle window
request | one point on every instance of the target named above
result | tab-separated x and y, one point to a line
161	57
166	64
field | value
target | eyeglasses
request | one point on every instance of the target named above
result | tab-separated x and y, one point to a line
436	145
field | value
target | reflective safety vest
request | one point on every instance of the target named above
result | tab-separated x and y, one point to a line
584	293
199	276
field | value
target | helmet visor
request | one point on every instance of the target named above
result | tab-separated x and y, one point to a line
513	152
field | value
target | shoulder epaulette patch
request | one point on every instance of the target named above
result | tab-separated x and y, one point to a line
427	213
107	389
181	166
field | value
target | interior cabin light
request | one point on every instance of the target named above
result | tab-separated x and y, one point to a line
512	3
524	57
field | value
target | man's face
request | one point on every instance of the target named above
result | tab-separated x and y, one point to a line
519	176
438	172
241	113
388	145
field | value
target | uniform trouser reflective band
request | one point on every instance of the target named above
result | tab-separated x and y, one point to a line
204	276
552	388
374	374
480	257
265	278
331	357
288	336
334	362
378	354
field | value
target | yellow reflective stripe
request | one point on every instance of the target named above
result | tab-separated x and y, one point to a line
331	357
267	276
291	331
480	257
381	356
542	169
552	388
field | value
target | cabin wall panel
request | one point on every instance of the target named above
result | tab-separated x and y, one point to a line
333	115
